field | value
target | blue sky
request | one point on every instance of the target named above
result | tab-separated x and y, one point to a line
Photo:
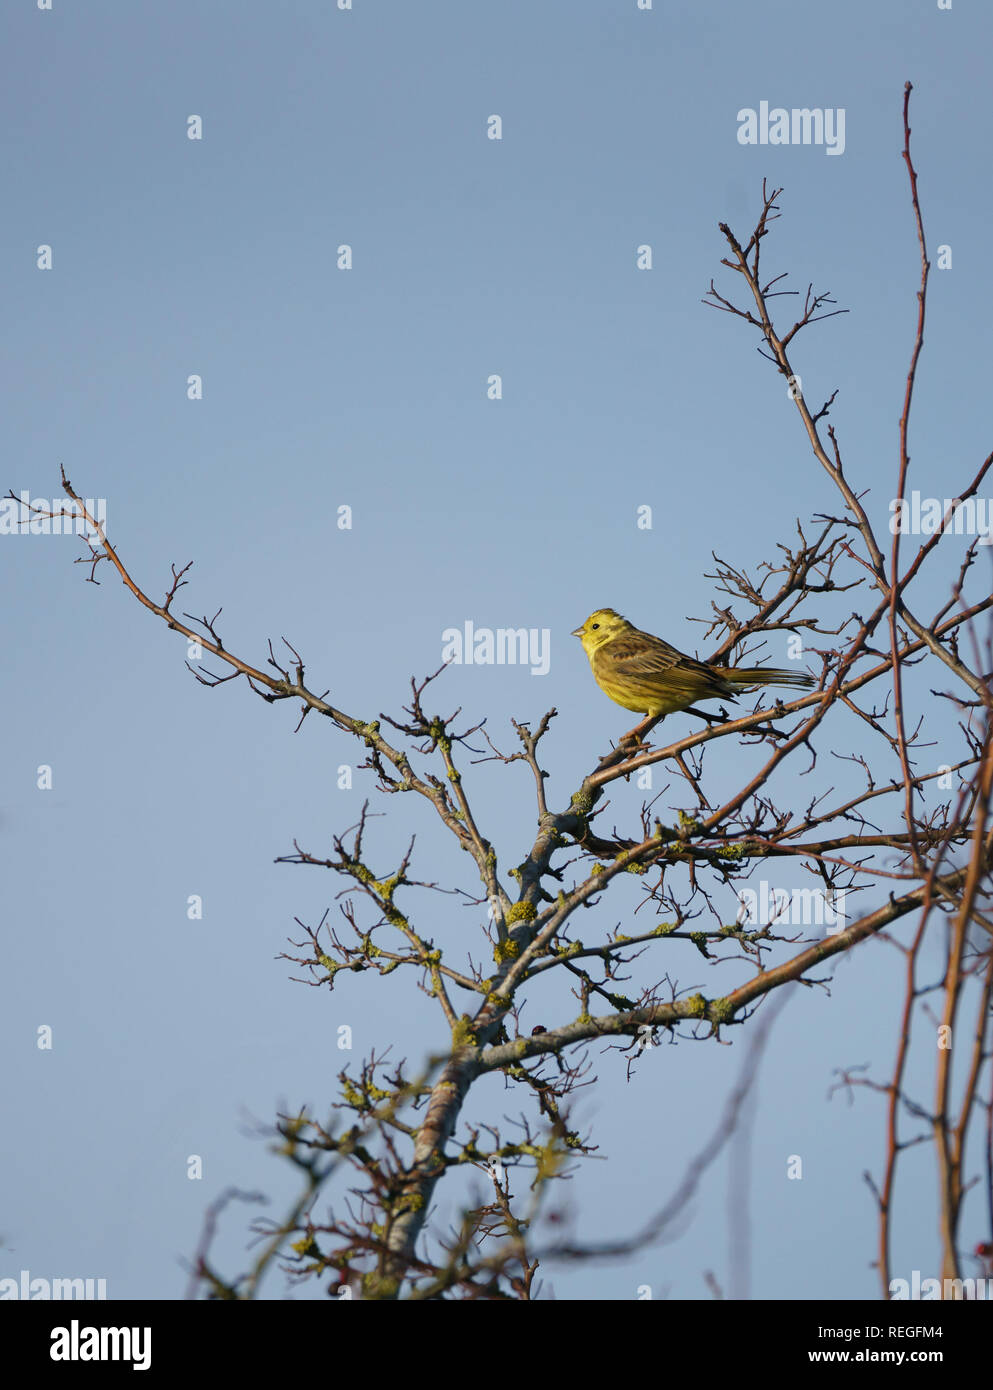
367	388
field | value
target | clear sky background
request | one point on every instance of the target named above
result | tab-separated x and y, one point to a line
368	388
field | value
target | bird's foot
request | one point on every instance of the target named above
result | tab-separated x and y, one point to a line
635	736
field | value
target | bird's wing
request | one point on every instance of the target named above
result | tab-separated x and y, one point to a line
639	656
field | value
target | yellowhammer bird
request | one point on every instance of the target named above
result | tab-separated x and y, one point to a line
645	674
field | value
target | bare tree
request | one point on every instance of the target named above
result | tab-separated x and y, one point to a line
919	870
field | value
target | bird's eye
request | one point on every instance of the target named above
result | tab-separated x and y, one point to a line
595	626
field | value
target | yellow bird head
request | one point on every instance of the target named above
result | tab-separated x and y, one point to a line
602	626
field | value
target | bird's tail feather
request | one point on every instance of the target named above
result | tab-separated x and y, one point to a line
768	675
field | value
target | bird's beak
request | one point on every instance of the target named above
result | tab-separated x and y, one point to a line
577	632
